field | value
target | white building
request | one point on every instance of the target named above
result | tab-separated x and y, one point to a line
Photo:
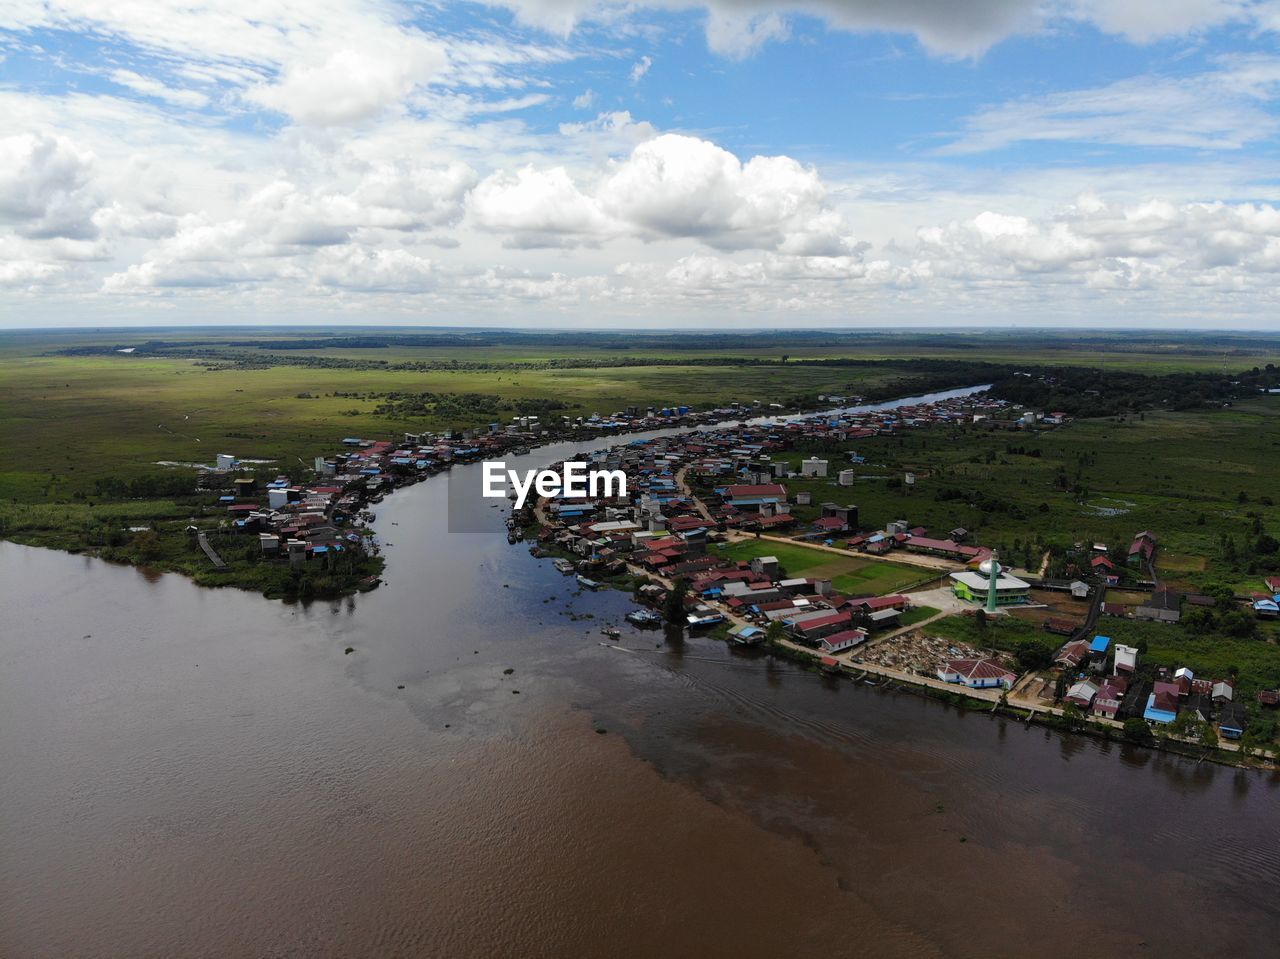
813	467
226	461
1126	658
976	673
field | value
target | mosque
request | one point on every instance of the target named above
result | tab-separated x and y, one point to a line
991	585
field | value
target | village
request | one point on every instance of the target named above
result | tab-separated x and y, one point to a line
718	544
708	517
324	520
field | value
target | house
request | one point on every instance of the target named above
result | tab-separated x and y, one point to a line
1082	693
753	494
1232	721
976	673
1164	606
1106	703
1162	705
1098	647
820	626
841	641
1062	627
1184	679
766	567
1142	550
1101	563
1126	658
847	514
1072	654
876	604
830	525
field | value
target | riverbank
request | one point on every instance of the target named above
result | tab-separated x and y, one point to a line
163	533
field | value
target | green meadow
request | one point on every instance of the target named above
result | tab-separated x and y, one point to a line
1192	478
852	575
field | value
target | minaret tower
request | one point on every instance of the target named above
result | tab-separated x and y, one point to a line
993	578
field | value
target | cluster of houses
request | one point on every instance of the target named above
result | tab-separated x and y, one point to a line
314	519
1106	684
738	465
1266	604
318	519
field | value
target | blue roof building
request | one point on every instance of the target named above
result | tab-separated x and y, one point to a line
1153	715
1099	645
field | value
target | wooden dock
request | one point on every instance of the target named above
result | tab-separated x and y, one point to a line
214	558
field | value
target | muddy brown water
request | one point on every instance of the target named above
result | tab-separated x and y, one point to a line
190	772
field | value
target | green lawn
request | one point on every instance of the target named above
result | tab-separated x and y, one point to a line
852	575
999	632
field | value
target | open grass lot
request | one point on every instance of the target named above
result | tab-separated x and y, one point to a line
1003	632
851	575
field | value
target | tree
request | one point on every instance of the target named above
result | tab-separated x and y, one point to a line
1181	724
1208	735
775	632
673	607
147	544
1072	717
1136	730
1248	745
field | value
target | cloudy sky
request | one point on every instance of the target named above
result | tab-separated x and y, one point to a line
659	162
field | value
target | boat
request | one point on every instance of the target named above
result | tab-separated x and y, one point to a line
564	566
644	618
613	632
589	583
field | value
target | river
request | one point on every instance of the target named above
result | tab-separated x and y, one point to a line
191	772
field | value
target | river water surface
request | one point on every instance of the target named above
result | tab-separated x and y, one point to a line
190	772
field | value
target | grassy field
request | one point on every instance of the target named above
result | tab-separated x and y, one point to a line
1190	477
1157	352
71	420
1007	633
851	575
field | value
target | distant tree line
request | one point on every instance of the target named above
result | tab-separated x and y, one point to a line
1082	391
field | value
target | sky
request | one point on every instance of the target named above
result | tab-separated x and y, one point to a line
682	163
